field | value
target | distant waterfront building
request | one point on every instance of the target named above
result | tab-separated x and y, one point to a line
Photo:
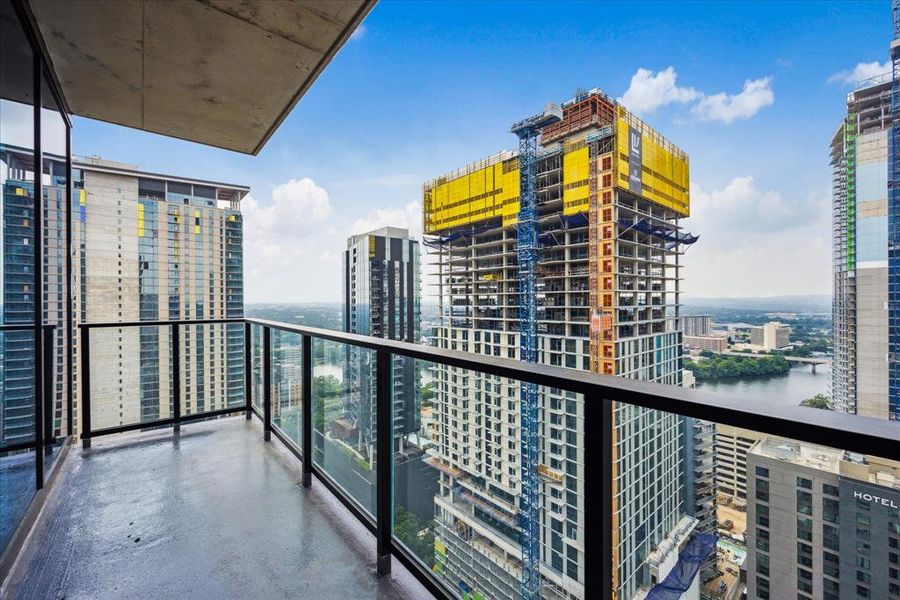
822	523
381	299
158	247
859	163
696	325
713	343
771	336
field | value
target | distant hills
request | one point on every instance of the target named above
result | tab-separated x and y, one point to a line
800	304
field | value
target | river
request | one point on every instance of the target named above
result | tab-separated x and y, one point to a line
800	383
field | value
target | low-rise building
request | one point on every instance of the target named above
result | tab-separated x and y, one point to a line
713	343
771	336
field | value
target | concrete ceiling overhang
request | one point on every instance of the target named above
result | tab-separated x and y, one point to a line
220	72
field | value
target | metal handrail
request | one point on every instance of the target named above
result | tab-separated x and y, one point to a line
865	435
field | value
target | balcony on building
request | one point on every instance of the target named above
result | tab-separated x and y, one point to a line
261	487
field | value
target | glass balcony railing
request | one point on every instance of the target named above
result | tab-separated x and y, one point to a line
506	479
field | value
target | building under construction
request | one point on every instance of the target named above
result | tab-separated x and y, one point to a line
609	194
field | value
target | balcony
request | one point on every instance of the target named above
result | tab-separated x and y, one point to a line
298	465
210	512
226	504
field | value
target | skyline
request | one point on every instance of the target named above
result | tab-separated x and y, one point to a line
754	111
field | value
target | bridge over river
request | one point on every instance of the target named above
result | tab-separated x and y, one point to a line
803	360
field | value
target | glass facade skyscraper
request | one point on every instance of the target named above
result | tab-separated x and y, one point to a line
381	299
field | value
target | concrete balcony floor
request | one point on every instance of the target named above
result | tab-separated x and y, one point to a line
212	512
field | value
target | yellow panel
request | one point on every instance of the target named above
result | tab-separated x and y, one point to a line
82	197
472	197
664	169
196	221
140	227
576	172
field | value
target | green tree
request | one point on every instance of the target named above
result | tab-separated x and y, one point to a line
819	401
415	534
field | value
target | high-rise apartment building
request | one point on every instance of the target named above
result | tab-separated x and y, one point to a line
860	223
821	523
156	247
696	325
611	193
17	242
381	298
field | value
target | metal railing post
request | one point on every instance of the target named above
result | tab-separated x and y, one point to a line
598	476
248	369
383	459
40	401
176	377
267	383
49	389
307	410
84	372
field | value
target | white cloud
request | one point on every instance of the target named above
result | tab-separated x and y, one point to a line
756	242
293	244
297	208
860	72
359	32
286	243
649	91
406	217
727	108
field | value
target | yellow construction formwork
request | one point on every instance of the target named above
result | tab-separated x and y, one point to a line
665	170
484	190
576	176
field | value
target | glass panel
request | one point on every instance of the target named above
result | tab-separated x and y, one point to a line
417	471
54	182
131	375
256	355
459	485
211	367
343	401
17	483
287	381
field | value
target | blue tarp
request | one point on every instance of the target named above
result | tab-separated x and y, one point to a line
679	579
671	235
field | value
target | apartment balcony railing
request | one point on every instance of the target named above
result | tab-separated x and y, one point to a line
307	432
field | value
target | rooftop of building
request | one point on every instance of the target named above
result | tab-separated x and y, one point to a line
871	469
388	232
822	458
231	192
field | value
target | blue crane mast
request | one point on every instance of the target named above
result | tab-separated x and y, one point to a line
894	227
527	249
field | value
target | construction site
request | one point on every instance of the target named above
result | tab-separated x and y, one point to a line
567	253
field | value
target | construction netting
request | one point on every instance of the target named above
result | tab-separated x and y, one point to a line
668	234
680	578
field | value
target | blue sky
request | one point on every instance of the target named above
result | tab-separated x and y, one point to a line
752	91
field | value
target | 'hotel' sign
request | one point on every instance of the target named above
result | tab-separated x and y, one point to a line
874	499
